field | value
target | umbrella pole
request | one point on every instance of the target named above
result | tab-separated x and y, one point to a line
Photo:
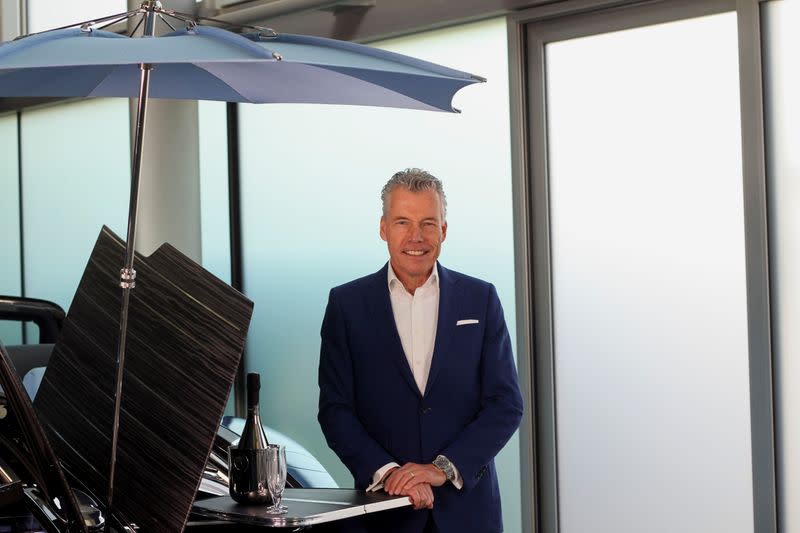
127	273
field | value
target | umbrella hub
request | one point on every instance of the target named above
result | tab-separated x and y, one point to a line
151	5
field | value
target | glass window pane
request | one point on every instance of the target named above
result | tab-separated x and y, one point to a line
76	178
780	21
214	216
49	14
10	275
650	324
214	213
311	182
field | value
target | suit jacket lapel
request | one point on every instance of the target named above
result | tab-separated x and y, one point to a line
386	329
445	325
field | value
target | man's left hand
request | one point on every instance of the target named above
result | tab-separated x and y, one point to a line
401	480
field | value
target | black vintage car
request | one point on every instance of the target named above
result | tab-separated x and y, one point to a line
39	493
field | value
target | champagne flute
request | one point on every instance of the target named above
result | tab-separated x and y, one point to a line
276	477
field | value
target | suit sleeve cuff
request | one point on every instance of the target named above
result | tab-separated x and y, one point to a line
377	478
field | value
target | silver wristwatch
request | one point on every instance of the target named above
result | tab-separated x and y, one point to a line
443	463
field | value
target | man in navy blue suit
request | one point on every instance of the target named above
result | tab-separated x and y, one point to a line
418	386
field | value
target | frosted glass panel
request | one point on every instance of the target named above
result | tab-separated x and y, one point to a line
650	324
214	213
10	277
311	181
782	97
214	216
76	177
48	14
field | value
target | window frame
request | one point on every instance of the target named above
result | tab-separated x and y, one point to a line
528	32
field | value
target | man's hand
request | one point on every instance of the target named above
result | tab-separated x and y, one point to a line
421	495
402	480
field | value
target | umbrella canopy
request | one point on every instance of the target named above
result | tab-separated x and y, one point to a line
208	63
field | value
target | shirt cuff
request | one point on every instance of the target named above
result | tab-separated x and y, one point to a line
457	481
377	477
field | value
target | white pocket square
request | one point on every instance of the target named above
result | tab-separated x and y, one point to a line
467	321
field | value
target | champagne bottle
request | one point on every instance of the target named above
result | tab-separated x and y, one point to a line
253	436
248	461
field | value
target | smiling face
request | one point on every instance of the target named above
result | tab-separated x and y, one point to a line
414	230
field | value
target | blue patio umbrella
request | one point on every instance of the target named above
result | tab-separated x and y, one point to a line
209	63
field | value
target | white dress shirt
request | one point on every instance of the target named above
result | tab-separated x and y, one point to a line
415	316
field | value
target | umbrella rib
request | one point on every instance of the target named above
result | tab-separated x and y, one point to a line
104	26
133	31
165	21
120	16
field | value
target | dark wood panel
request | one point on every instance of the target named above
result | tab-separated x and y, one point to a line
186	331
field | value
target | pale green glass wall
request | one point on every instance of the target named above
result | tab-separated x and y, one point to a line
10	276
71	156
76	178
214	217
214	213
311	181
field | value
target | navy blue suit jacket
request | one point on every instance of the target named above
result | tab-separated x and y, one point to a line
372	412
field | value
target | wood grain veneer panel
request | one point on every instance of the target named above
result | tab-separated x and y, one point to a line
186	331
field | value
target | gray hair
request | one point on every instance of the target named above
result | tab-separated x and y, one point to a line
414	180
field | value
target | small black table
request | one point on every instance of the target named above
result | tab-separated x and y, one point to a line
307	507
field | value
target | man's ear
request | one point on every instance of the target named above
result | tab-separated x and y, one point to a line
383	228
444	231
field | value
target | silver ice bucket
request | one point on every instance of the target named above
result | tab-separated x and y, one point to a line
248	476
